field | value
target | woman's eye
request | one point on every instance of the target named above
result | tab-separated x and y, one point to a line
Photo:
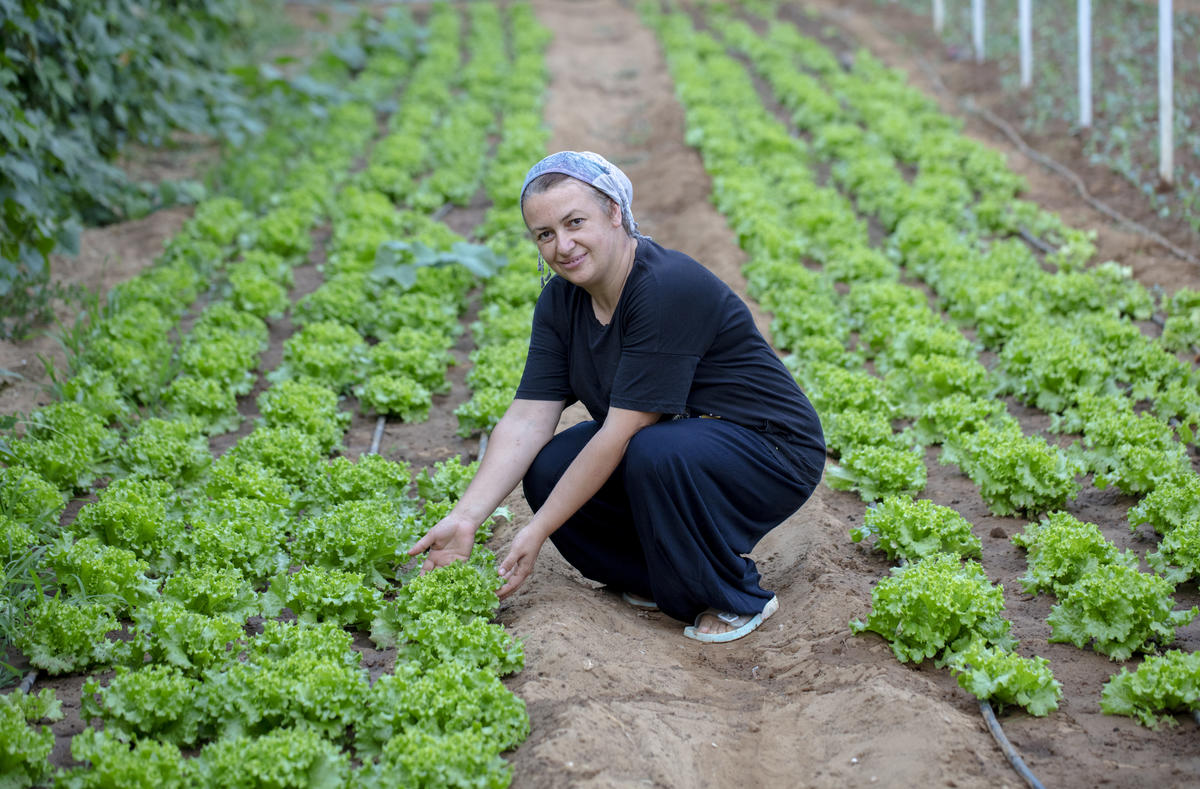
576	222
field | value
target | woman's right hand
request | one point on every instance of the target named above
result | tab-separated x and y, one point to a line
451	540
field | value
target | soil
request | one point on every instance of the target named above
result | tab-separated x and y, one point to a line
618	697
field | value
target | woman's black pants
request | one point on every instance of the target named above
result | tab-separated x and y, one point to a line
674	521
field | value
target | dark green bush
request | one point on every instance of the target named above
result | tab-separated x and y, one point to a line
80	79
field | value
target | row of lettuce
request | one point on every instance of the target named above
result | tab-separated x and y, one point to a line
852	155
215	598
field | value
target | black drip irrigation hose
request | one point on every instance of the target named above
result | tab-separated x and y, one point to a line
27	683
1014	758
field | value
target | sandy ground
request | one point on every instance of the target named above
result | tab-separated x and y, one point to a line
618	697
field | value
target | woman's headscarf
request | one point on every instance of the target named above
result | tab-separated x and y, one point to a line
592	169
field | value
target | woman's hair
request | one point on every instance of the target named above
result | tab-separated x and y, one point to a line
546	181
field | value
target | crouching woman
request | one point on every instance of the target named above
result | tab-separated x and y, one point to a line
699	442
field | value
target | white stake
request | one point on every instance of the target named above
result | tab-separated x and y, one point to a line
1025	28
1166	97
1085	64
939	16
977	9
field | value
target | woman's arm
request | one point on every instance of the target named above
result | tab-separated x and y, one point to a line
587	473
520	434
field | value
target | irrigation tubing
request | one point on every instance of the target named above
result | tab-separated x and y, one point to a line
1014	758
1035	241
1077	182
378	436
27	683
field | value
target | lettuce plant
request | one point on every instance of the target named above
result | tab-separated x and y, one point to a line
1062	550
24	756
937	605
371	476
175	451
234	476
205	401
154	702
402	397
135	514
64	444
447	698
1118	610
302	689
89	568
1161	685
319	594
365	536
168	633
289	452
108	760
310	407
328	353
1015	473
1005	677
29	499
212	590
879	471
915	528
63	636
418	757
244	534
287	758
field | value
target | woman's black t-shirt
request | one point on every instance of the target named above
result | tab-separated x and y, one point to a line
679	342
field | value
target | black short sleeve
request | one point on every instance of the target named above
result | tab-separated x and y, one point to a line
666	326
546	374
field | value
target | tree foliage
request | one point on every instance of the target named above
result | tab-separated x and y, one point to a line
79	79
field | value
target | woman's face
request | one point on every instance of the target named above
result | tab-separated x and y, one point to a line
580	240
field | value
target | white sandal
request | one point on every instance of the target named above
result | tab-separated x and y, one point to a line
642	603
743	624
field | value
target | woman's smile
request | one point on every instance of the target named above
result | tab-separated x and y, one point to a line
573	261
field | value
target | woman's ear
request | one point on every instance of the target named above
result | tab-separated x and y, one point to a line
614	212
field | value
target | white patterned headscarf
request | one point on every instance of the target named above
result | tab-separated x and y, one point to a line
594	170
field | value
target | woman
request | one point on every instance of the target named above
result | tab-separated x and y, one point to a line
700	440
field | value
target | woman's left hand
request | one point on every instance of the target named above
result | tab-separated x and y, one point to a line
518	564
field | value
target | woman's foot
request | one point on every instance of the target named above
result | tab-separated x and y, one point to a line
637	601
713	623
720	626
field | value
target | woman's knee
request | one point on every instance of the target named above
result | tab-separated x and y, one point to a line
649	451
